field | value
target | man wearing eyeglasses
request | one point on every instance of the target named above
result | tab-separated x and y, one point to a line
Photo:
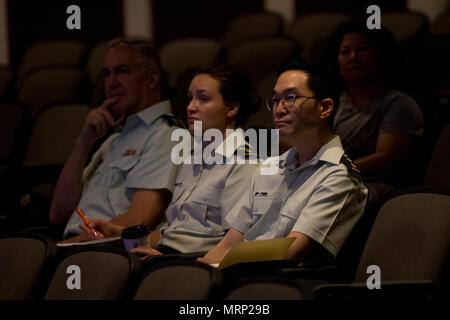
316	194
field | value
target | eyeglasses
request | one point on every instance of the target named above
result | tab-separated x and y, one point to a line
288	101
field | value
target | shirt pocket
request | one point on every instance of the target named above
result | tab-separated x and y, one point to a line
209	197
208	201
122	167
288	217
260	205
125	163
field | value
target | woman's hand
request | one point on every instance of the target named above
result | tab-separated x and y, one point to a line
204	260
144	253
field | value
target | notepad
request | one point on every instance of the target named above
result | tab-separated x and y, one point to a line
257	250
89	242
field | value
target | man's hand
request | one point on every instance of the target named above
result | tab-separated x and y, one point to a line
216	254
97	122
68	189
105	229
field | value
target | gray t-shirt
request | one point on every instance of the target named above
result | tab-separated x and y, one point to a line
391	111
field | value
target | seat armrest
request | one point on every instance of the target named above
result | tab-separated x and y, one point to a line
153	260
54	232
392	290
329	273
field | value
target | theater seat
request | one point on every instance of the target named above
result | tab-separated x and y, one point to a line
180	55
50	86
105	273
54	134
6	75
409	243
272	289
260	56
179	280
25	260
441	26
12	119
247	26
94	61
405	26
56	53
312	30
438	171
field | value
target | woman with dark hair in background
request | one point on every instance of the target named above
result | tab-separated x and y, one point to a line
379	126
220	97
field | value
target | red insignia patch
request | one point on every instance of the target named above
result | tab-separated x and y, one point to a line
129	152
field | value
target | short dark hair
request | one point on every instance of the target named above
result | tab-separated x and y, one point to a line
235	86
323	80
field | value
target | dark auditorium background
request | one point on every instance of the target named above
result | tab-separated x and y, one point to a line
49	75
28	23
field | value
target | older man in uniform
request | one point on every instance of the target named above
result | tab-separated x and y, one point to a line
130	179
314	194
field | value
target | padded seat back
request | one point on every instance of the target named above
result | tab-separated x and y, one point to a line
179	280
438	172
56	53
273	289
180	55
50	86
261	24
24	258
54	134
104	274
410	239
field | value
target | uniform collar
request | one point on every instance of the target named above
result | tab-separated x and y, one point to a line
238	136
150	114
330	152
228	147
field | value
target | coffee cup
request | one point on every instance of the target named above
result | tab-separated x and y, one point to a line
136	236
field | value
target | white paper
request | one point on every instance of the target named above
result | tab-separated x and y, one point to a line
88	242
